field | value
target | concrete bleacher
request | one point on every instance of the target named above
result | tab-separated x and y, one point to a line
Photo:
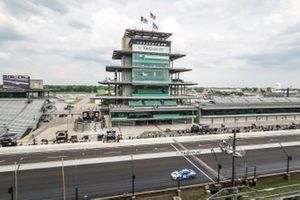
19	115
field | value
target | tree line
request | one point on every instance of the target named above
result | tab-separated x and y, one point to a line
75	88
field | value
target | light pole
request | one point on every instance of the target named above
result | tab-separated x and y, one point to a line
288	159
133	178
246	169
11	192
16	181
63	179
218	164
17	167
76	186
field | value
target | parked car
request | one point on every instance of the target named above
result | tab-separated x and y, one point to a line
8	142
44	141
61	136
111	135
100	136
69	107
183	174
195	128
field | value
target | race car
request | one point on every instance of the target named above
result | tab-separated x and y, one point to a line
183	174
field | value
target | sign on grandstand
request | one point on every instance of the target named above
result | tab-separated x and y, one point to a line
13	82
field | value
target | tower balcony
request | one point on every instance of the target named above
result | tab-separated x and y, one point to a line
173	82
120	68
118	54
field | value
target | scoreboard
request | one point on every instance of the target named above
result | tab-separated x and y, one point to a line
90	115
16	82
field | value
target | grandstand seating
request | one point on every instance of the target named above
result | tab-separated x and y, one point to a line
19	115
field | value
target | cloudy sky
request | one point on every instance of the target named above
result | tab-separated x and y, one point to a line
228	43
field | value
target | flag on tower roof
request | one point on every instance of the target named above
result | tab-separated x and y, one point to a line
154	26
144	20
152	16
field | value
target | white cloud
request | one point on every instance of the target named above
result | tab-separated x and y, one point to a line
4	56
227	43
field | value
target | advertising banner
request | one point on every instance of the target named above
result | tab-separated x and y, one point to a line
148	48
13	82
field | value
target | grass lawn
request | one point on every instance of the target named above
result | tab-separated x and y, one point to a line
75	101
264	189
92	101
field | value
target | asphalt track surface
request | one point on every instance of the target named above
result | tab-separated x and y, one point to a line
115	178
139	149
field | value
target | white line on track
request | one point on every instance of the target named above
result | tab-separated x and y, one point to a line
194	165
112	152
51	157
160	148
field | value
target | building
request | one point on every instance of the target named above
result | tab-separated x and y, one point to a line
241	111
36	84
22	86
146	87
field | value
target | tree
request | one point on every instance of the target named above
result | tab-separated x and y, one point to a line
95	90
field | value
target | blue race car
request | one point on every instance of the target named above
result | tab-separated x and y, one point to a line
183	174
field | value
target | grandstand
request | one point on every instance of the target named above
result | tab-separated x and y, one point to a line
247	110
19	116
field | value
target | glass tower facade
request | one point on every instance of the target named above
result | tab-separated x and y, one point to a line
147	89
150	75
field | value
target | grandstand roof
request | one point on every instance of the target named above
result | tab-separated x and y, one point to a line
242	102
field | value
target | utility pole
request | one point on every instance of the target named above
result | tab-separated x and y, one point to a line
63	179
233	158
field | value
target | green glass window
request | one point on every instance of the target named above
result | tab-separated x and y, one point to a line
148	60
150	75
